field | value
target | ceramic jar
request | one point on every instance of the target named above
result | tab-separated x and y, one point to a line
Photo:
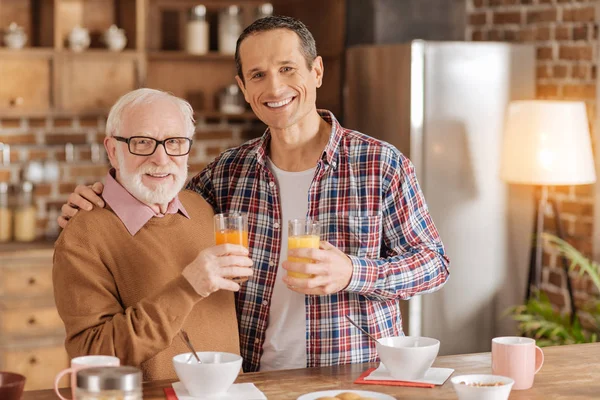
115	38
15	37
79	39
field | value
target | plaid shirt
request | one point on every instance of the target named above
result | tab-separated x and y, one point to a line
366	196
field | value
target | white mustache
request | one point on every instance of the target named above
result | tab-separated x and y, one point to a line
157	171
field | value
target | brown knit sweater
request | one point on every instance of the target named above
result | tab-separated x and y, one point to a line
124	295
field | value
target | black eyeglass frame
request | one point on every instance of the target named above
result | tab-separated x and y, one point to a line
156	143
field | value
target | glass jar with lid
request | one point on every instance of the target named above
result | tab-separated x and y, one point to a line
230	28
197	31
25	214
109	383
231	100
264	10
5	214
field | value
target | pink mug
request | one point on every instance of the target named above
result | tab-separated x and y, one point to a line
517	358
83	362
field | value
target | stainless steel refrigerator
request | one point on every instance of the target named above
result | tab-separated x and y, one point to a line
443	105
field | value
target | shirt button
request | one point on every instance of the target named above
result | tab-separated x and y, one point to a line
271	184
257	340
276	225
264	303
271	263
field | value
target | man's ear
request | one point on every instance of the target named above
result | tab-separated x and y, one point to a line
242	87
318	69
110	144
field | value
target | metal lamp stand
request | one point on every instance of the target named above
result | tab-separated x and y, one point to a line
535	260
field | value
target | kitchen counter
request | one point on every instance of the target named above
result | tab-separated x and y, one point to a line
568	372
16	249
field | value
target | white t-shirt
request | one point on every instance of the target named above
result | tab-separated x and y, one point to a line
285	339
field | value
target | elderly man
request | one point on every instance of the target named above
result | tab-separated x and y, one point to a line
379	244
128	277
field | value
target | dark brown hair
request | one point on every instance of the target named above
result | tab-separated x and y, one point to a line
308	47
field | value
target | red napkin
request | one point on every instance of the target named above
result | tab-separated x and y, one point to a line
170	393
361	380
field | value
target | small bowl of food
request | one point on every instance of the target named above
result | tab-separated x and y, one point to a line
482	387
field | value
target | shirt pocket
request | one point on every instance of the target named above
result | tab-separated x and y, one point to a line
358	236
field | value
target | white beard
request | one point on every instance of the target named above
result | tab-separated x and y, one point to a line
160	193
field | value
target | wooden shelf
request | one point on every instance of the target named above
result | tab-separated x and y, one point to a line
19	113
246	116
183	56
104	53
27	52
209	4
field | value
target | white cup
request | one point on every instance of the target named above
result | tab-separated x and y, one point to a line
79	363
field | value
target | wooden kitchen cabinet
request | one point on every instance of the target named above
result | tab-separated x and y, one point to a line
94	80
90	82
31	332
26	81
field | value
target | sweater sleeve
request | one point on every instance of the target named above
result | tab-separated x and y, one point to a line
87	300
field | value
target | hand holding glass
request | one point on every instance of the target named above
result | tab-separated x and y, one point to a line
232	228
303	234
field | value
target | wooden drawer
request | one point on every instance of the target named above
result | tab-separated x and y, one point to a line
25	83
38	364
26	280
30	322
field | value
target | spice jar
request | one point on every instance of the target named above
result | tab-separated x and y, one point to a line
109	383
197	31
25	214
230	28
5	214
264	10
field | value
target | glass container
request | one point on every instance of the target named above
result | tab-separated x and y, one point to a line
197	31
109	383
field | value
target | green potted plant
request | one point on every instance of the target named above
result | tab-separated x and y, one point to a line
541	320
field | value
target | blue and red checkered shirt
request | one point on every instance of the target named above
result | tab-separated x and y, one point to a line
366	196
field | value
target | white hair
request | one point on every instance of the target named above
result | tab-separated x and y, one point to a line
147	96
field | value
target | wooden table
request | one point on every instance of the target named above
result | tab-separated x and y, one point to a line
569	372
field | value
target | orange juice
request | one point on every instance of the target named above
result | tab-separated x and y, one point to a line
232	236
302	242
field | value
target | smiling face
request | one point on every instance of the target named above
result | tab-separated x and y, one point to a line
278	84
158	178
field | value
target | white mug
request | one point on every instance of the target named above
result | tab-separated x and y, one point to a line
83	362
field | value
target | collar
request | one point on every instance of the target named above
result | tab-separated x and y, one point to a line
330	153
133	213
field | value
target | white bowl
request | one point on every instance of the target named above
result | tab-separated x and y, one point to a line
215	375
407	357
468	392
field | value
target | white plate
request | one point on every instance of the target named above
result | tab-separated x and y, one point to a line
362	393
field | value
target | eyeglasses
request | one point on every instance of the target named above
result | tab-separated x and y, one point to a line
146	146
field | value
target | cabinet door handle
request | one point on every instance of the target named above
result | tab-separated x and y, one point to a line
17	101
33	360
31	281
31	321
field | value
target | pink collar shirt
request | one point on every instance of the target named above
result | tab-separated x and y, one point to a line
132	212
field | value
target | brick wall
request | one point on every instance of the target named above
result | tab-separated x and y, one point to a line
70	141
565	33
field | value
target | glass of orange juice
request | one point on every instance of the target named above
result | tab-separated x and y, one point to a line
232	228
303	233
